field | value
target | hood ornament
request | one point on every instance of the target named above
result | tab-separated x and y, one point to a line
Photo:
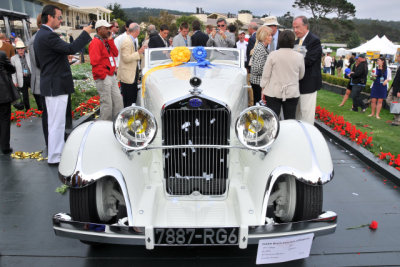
195	82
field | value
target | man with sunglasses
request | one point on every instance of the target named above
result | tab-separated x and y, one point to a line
114	29
221	37
56	83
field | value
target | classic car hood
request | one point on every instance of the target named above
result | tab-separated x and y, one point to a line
221	82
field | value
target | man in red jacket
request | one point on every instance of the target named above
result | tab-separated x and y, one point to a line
102	52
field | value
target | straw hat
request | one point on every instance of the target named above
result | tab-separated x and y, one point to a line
271	21
20	44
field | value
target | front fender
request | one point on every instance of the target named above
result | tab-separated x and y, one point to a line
92	152
300	150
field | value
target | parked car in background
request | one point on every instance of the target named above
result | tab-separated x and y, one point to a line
15	23
192	165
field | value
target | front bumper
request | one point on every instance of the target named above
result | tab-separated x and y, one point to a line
63	225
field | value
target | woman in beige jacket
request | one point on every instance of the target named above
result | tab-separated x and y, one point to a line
280	79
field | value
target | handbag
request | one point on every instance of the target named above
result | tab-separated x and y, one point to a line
13	94
18	104
395	108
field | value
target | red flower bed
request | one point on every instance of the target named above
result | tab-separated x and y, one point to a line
21	115
346	129
88	106
391	159
82	109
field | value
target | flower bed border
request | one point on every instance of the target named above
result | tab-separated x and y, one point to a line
362	153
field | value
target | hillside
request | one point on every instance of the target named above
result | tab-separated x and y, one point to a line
140	14
368	28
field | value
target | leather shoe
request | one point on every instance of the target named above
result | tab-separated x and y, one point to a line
7	151
55	164
395	124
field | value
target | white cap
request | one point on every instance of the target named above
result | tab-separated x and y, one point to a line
102	23
272	20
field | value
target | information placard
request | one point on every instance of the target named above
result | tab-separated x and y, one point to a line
283	249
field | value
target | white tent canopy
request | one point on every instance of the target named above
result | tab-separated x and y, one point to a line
383	45
342	52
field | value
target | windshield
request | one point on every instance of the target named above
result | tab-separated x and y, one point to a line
216	55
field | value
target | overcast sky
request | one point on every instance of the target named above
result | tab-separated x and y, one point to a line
382	10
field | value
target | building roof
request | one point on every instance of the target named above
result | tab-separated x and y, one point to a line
94	9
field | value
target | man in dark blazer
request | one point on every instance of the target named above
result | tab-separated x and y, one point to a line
199	38
312	80
253	27
160	40
6	98
56	82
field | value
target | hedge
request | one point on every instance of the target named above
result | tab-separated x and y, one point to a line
342	81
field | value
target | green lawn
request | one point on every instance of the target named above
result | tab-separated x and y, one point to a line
386	138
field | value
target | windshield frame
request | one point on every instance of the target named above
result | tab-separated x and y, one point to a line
238	62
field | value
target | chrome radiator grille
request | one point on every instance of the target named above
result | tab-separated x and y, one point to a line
204	170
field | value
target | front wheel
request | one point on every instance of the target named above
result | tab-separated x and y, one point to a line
292	200
100	202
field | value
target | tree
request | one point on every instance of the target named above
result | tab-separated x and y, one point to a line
244	11
117	12
121	25
167	19
321	8
354	40
345	9
287	20
187	19
238	25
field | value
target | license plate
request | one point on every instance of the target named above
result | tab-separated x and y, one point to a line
196	236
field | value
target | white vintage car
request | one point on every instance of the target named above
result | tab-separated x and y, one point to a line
191	164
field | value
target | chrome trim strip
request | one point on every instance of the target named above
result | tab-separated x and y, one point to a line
319	231
314	176
99	237
201	96
325	177
196	146
81	179
128	235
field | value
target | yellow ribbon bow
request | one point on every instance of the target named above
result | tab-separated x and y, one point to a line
179	55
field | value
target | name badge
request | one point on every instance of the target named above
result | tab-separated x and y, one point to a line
112	62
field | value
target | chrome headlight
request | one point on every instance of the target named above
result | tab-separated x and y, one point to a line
135	127
257	127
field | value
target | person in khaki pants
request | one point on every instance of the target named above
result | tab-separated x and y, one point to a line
102	52
128	70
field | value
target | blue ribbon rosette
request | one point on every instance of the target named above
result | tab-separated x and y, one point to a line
200	55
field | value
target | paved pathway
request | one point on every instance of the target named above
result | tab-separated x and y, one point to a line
27	202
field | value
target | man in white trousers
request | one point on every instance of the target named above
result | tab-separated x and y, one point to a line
56	82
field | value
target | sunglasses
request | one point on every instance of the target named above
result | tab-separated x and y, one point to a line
221	25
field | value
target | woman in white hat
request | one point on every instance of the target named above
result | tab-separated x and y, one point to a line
22	76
